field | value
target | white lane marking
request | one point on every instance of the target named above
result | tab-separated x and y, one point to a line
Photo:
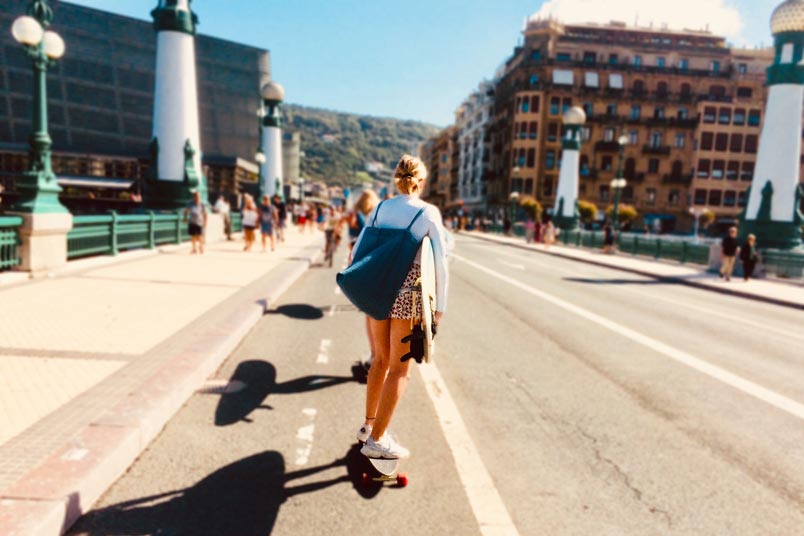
490	511
323	351
305	437
331	311
642	293
746	386
511	265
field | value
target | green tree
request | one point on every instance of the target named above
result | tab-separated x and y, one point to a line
625	212
588	212
707	218
532	208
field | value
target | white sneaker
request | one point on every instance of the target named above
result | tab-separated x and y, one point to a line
386	448
364	432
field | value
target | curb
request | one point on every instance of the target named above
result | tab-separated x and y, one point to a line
664	278
56	493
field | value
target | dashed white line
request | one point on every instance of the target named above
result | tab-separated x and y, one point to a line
733	380
512	265
305	436
323	351
490	512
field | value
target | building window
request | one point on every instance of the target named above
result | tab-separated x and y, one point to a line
650	196
603	193
591	80
606	162
613	59
682	113
637	60
628	193
680	141
531	158
741	199
739	116
655	139
638	87
636	111
721	142
704	168
673	197
521	160
700	196
732	171
563	56
709	114
536	55
563	78
747	173
745	92
658	112
555	106
589	57
534	104
754	118
547	187
529	186
724	117
736	145
550	159
633	137
552	132
588	109
751	143
684	64
525	104
616	81
653	165
584	166
534	79
586	134
566	104
533	130
715	67
611	110
608	134
686	90
718	169
707	140
629	171
660	62
715	197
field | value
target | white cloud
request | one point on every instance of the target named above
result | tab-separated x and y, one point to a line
721	18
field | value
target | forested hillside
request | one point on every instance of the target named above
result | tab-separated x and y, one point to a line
337	146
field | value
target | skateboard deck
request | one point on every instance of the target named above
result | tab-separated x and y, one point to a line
428	297
386	471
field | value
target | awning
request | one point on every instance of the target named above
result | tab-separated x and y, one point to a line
95	182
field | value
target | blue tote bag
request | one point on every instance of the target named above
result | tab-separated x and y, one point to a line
379	267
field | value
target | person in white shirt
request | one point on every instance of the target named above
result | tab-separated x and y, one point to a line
388	375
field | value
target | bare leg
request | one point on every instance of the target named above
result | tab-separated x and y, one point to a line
380	330
397	378
372	345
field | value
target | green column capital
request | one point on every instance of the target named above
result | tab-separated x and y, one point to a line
169	17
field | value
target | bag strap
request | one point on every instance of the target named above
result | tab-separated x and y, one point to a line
415	218
377	213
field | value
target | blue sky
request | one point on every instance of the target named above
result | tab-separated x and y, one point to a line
415	59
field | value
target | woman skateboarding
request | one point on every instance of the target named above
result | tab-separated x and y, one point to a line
387	377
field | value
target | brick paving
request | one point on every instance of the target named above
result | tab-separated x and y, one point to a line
73	346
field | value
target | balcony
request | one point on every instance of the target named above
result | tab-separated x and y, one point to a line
607	146
662	150
669	178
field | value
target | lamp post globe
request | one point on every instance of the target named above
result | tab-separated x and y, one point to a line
259	157
54	45
273	92
622	141
575	116
27	31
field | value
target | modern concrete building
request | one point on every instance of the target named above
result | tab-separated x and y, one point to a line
472	121
101	101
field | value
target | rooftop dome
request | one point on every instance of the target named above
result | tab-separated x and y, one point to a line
273	91
788	17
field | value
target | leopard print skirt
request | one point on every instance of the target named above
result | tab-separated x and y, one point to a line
403	306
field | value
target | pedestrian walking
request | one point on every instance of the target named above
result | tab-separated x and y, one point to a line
223	208
195	215
268	222
729	249
530	230
549	234
301	216
749	255
281	217
250	218
388	375
609	237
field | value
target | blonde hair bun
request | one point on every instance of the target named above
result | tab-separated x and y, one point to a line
409	171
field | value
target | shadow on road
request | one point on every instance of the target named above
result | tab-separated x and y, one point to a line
242	498
259	378
299	311
591	281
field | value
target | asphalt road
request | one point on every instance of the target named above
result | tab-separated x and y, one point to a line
589	401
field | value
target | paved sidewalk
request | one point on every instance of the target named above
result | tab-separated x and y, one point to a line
94	362
770	291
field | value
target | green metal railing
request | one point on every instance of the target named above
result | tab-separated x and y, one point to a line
9	242
109	234
237	222
787	264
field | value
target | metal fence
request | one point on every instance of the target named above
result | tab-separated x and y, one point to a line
112	233
237	222
9	242
786	264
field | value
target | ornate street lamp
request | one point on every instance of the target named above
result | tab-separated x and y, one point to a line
618	183
38	188
565	211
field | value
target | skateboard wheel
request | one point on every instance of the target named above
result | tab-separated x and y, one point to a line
402	480
365	479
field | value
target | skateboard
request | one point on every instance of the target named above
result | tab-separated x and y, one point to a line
428	298
385	471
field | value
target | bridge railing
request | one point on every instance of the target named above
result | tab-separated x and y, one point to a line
237	222
785	264
9	242
109	234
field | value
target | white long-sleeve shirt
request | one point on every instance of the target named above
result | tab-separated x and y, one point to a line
397	213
